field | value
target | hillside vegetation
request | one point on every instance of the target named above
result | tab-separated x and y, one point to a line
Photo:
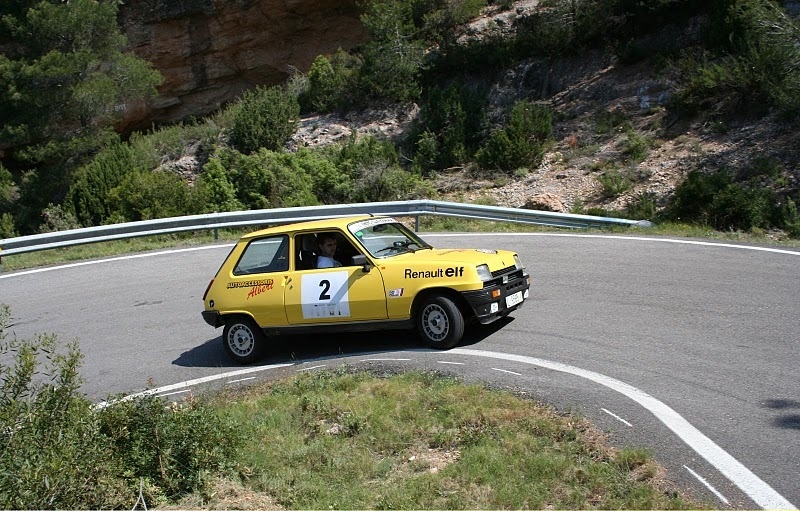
506	93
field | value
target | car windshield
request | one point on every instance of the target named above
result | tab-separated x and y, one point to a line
385	237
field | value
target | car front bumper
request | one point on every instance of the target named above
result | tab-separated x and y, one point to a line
499	298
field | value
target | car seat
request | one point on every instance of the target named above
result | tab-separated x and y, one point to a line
307	257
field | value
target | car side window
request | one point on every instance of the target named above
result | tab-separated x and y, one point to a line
308	250
264	255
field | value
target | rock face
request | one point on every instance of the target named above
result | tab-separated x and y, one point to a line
209	51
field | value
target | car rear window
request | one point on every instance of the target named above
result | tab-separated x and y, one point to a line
264	255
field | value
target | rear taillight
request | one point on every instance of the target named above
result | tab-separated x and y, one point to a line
207	289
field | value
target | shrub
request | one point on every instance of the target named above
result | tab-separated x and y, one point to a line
425	154
7	229
636	146
642	207
147	195
450	124
267	179
174	447
52	454
331	82
520	143
56	218
614	183
716	200
755	63
264	118
87	197
57	451
216	189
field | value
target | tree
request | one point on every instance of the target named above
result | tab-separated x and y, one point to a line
64	81
264	118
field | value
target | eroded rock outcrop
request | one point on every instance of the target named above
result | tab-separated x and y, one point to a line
209	51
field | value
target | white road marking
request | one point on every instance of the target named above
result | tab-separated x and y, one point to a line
708	485
450	363
385	360
506	371
759	491
241	379
191	383
627	238
310	368
618	418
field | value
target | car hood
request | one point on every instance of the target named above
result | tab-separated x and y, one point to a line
494	259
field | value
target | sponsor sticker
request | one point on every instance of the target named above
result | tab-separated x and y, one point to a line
396	293
454	271
250	283
372	222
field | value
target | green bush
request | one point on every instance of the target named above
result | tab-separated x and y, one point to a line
56	218
216	189
173	447
57	451
52	454
147	195
332	82
520	143
636	146
715	199
268	179
425	154
754	62
87	198
614	183
450	125
264	118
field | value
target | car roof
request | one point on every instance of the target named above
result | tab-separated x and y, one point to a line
326	223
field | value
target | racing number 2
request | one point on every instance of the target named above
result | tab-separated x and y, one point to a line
326	286
325	295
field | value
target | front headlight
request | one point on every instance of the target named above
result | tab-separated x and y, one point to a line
483	272
517	262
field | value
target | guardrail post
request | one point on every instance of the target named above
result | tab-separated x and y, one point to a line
416	223
216	234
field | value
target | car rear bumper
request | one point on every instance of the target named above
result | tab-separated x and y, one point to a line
495	301
212	318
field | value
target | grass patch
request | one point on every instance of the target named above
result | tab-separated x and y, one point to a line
349	440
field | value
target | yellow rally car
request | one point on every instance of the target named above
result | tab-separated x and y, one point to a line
379	275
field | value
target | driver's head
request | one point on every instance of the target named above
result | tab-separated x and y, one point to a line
327	244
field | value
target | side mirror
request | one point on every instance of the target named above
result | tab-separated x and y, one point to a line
361	260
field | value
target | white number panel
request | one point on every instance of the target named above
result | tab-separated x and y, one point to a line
324	295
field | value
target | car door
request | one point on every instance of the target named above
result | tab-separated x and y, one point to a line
335	295
258	277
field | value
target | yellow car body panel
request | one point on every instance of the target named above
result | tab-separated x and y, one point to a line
385	277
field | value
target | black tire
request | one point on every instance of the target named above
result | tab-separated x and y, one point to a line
440	322
243	339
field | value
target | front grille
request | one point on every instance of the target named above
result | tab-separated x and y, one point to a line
503	271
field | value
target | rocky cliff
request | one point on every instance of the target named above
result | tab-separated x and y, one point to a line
209	51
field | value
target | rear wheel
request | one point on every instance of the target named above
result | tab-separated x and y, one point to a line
440	322
243	339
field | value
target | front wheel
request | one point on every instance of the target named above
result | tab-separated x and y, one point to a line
243	339
440	322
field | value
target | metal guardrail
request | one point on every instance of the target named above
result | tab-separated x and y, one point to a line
414	208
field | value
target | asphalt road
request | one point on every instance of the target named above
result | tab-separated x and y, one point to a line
690	350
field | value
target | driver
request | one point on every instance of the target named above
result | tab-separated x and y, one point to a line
327	249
